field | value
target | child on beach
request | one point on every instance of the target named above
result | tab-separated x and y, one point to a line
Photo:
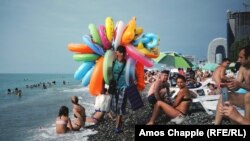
63	122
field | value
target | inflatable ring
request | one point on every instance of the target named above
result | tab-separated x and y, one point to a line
129	33
80	48
82	70
130	71
154	40
142	39
96	81
138	32
119	28
152	53
134	53
139	72
85	57
95	47
109	24
86	78
94	33
107	65
105	42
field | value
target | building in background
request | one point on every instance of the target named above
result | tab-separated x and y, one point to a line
217	50
238	32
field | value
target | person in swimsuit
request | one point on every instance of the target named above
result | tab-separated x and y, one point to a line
63	122
79	113
228	109
159	88
178	109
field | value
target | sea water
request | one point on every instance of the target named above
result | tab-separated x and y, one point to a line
31	116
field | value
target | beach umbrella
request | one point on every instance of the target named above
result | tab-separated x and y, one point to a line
174	60
210	66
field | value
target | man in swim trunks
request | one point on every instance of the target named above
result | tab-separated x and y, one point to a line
243	101
159	88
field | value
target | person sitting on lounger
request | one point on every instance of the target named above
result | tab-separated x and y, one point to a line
179	108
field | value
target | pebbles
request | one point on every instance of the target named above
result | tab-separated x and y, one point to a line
140	117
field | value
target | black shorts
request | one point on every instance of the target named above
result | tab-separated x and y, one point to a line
152	99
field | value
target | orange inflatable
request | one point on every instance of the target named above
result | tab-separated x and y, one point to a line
139	73
80	48
96	80
129	32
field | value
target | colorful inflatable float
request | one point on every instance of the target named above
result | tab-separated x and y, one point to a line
97	53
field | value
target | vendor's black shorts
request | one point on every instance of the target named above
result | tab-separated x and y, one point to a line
152	99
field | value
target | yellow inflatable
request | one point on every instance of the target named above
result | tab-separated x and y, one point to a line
151	53
138	32
109	26
129	32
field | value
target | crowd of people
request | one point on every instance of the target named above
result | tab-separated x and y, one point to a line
160	98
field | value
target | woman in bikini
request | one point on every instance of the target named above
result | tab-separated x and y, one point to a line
63	123
79	113
179	108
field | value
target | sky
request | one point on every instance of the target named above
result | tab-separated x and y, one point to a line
34	33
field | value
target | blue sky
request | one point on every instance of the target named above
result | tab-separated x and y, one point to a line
34	33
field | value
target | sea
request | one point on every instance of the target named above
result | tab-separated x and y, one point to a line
31	116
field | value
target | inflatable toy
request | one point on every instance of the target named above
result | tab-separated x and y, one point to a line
96	81
109	28
119	28
80	48
139	72
150	53
130	71
134	53
107	65
94	33
95	47
129	32
138	32
86	78
85	57
83	69
105	42
97	53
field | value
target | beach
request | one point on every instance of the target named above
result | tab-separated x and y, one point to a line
105	129
32	116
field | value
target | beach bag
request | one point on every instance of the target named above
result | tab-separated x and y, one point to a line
134	97
112	87
112	84
102	103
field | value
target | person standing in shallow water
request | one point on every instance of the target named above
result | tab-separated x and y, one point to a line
118	99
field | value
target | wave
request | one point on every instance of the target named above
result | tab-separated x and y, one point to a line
82	89
49	134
